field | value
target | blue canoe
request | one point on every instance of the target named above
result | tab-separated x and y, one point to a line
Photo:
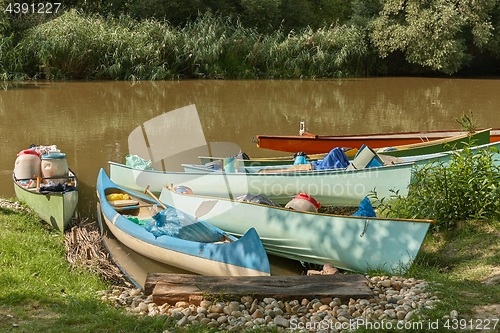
196	246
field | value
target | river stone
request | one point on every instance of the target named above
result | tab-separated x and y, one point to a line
234	306
135	292
216	308
183	321
280	321
213	315
204	321
400	315
258	314
201	310
385	283
177	315
246	299
187	312
254	306
205	304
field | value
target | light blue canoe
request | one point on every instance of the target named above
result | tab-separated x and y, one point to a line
200	247
329	187
353	243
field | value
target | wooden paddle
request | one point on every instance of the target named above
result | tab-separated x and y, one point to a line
204	208
38	180
154	197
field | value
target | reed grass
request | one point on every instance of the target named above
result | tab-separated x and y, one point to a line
79	46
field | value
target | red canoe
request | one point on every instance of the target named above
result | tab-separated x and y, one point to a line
317	144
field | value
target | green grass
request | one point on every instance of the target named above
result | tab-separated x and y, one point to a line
41	292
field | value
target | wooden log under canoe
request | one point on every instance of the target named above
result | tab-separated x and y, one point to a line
172	288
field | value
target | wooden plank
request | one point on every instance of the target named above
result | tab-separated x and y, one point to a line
298	167
123	203
171	288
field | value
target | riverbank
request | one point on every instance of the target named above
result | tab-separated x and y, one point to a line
455	276
275	40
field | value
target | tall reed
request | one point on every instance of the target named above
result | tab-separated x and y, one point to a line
76	46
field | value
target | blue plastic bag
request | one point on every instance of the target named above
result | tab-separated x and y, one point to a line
138	162
365	209
300	160
174	223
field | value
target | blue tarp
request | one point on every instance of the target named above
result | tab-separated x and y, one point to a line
174	223
365	209
336	159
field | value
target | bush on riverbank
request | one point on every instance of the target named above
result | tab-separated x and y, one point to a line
465	187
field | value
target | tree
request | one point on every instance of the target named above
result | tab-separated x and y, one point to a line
436	34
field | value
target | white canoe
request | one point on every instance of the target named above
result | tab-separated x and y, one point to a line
329	187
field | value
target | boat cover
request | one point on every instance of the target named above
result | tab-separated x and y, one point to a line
336	159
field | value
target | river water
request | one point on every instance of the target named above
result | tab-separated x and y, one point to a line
91	121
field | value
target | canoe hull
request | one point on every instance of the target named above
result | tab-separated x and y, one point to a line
56	209
243	257
329	187
352	243
445	157
439	145
317	144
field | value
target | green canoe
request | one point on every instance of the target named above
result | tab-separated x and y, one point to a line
438	146
55	208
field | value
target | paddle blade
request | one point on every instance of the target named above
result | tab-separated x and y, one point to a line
204	208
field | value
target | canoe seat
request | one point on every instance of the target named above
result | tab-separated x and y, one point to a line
123	203
298	167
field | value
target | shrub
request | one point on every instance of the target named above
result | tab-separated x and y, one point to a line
467	186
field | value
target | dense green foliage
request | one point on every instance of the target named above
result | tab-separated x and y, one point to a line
435	34
159	39
77	46
467	186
